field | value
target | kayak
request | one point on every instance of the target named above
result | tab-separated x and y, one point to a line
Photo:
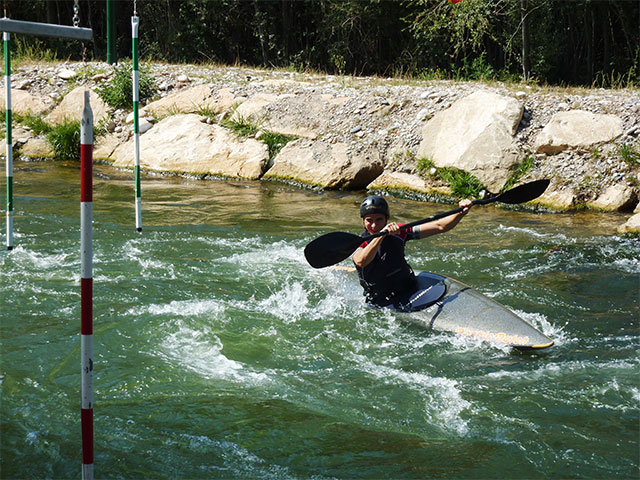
444	304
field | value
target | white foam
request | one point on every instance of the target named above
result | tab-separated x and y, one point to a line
151	266
444	403
50	264
531	233
256	255
201	352
289	303
539	321
182	308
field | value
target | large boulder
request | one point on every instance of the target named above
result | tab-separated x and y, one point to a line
185	143
476	135
192	100
37	147
577	129
557	198
326	165
632	225
312	117
24	103
104	146
71	108
618	197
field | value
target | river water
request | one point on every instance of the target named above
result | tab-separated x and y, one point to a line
219	353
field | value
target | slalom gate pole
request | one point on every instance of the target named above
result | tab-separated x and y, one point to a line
8	137
136	131
86	285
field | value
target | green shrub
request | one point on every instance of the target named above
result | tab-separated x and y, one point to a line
65	140
424	166
118	92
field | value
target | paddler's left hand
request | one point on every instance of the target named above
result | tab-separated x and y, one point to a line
466	205
392	228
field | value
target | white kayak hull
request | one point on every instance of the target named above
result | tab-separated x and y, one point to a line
458	308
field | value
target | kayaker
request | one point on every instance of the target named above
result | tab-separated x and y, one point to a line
383	270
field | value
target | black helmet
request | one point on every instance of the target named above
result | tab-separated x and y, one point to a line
374	204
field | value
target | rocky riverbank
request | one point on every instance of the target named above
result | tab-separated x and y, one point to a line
359	133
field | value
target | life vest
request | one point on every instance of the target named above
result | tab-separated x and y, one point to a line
388	275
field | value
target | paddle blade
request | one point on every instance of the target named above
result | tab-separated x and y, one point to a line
331	248
523	193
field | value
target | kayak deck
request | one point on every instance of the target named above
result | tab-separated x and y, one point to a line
445	304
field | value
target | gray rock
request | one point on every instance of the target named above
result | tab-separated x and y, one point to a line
184	144
475	135
326	165
577	129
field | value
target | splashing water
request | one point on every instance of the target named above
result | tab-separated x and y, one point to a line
219	353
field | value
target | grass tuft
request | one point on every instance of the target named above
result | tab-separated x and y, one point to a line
275	142
629	155
35	122
518	171
241	126
65	140
462	183
245	128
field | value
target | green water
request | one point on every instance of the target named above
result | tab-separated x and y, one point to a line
219	353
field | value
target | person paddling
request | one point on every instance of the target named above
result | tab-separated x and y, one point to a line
382	268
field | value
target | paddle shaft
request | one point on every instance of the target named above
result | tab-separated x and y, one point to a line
432	218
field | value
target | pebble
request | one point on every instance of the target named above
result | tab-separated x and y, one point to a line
144	125
66	74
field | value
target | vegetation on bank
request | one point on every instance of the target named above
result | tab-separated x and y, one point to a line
580	42
247	128
462	183
118	92
65	138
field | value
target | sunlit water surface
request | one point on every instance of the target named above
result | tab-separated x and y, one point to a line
219	353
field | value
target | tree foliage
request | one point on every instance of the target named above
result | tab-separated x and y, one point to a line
570	42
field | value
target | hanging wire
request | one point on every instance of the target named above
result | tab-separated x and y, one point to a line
76	23
76	13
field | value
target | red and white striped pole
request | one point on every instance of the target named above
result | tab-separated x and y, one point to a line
8	138
86	285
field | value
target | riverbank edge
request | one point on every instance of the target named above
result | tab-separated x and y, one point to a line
168	73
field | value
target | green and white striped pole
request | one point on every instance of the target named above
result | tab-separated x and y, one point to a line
136	132
9	145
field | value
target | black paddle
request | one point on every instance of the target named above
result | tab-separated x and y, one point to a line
334	247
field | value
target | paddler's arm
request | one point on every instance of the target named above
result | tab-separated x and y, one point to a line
447	223
364	256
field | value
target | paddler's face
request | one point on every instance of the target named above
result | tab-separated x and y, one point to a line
375	222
